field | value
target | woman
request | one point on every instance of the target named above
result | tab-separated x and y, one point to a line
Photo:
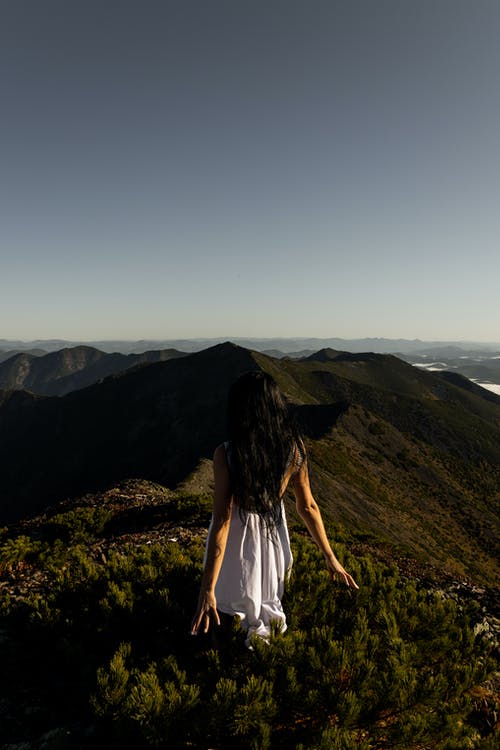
248	552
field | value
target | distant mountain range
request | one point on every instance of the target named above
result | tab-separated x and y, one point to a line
397	453
67	369
273	346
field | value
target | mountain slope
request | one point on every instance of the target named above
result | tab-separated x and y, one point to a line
7	354
372	477
155	421
65	370
407	456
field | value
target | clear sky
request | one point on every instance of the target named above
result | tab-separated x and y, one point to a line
250	168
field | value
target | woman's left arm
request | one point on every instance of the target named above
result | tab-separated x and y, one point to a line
216	545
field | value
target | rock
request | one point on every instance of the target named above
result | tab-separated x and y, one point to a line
482	628
56	739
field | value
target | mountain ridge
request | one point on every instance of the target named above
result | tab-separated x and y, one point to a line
57	373
285	344
480	365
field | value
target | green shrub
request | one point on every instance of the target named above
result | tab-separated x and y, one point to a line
104	640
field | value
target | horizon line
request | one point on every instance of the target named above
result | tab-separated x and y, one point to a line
248	338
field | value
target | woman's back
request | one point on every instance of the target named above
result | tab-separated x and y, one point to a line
294	462
263	443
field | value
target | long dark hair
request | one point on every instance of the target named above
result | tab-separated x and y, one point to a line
264	441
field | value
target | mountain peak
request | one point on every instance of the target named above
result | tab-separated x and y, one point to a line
323	355
334	355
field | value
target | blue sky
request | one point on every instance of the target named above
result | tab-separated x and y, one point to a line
264	168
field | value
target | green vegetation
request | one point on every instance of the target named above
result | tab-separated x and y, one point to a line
94	642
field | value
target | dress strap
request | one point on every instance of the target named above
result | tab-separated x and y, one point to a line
297	457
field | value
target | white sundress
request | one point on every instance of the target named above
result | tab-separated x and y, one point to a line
252	578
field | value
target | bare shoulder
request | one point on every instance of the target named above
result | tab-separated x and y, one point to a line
219	451
222	481
220	457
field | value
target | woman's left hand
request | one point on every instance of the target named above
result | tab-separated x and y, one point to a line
336	569
206	612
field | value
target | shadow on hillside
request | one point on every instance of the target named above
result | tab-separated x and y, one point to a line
316	420
142	518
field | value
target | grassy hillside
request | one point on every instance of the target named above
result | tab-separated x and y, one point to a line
402	454
96	599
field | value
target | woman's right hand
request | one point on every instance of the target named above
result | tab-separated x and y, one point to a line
206	612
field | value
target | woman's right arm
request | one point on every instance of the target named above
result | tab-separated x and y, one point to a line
216	545
309	512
